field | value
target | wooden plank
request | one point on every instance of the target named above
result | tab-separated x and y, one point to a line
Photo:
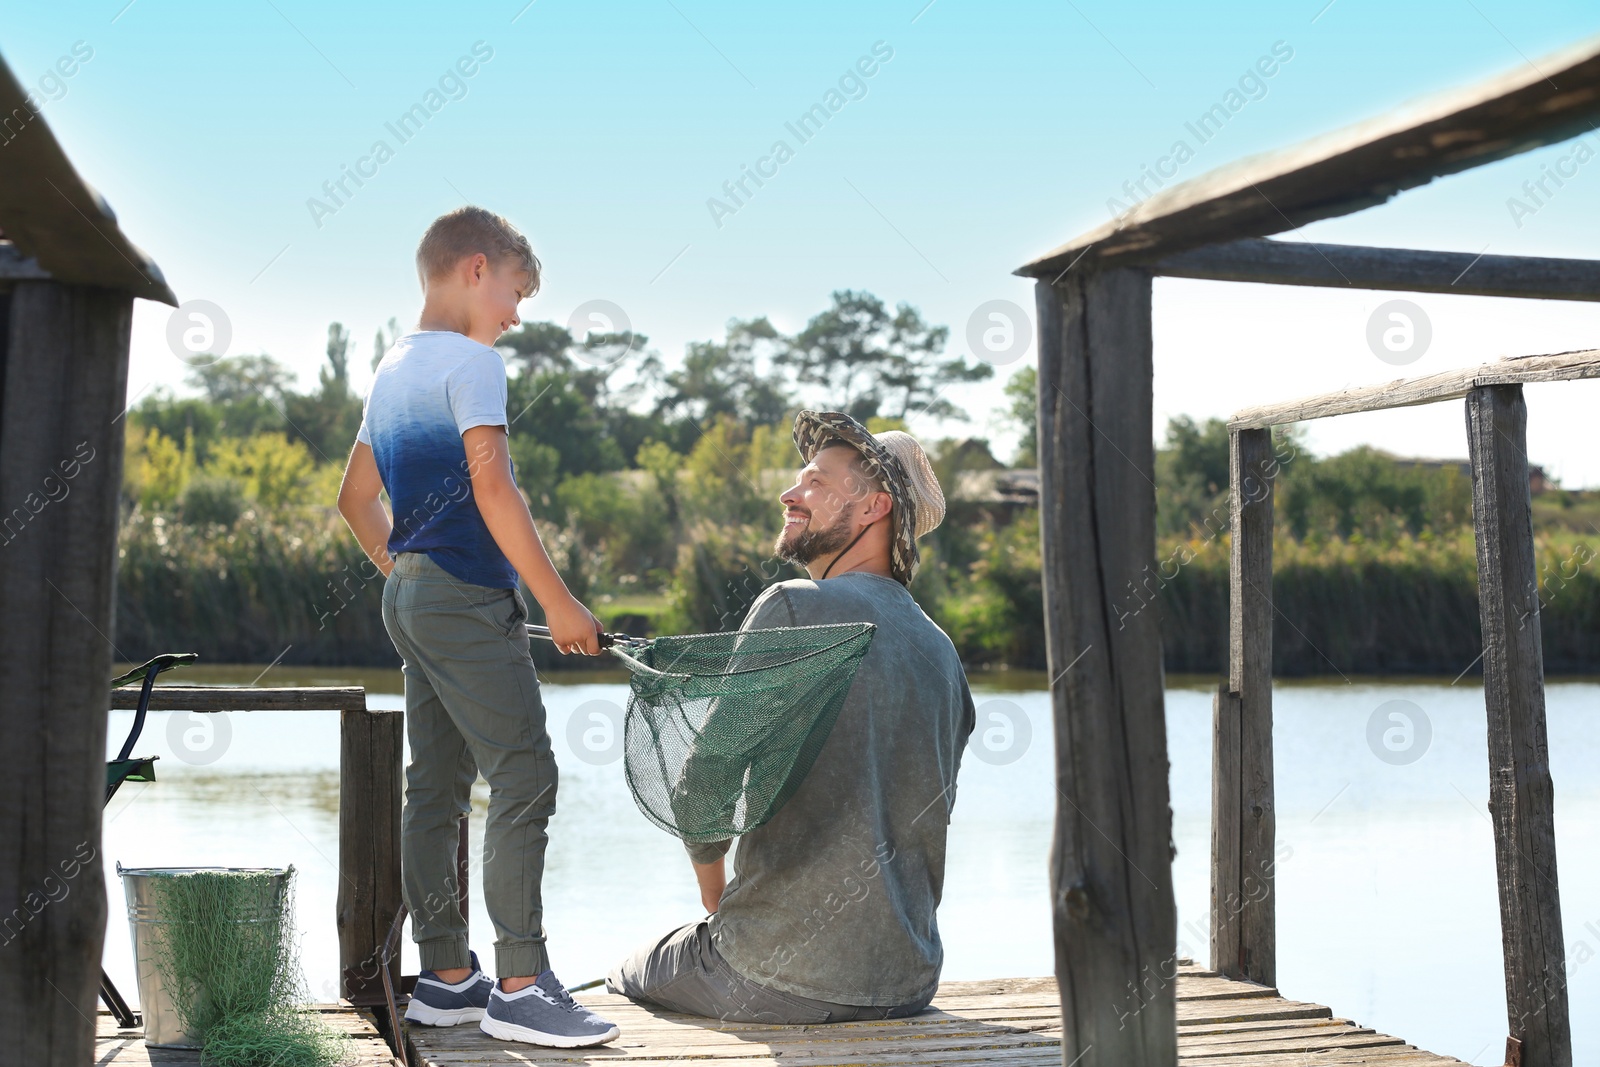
63	381
937	1038
1244	823
1384	1056
1288	1044
220	698
1409	270
1226	830
1349	169
1111	859
1409	392
1039	1056
126	1048
370	773
55	217
671	1030
1188	1032
989	987
1521	796
1211	1012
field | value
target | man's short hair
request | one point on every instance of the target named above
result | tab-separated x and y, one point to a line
467	231
863	483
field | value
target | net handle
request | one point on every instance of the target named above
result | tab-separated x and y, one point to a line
861	628
606	640
637	667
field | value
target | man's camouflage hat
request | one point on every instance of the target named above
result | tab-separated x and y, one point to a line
898	463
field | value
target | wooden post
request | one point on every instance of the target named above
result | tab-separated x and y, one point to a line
1111	860
1521	796
1243	823
63	384
370	756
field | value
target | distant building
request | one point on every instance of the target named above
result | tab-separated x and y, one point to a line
1017	487
1538	482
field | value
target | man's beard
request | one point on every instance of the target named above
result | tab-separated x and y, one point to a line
810	544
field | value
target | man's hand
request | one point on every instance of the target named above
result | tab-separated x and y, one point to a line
713	879
573	627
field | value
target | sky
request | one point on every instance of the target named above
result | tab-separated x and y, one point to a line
984	135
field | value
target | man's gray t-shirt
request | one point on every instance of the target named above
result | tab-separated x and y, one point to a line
834	898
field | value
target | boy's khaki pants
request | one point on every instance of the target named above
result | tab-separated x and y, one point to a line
472	705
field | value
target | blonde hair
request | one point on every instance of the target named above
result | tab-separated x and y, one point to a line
467	231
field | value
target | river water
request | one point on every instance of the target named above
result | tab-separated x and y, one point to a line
1387	908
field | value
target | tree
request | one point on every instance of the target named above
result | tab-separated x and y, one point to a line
538	346
327	421
381	342
247	391
727	378
1192	478
1199	451
872	363
236	378
335	377
1022	414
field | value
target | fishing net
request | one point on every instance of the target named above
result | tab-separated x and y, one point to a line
227	954
722	728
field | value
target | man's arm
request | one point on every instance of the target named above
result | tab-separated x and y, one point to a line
709	859
362	510
713	879
505	513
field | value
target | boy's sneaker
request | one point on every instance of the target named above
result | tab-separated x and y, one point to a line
436	1003
544	1013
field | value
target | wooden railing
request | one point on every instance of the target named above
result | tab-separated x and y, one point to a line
370	756
1521	802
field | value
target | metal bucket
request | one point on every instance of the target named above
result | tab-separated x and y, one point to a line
161	1023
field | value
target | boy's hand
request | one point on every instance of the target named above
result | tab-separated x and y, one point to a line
573	627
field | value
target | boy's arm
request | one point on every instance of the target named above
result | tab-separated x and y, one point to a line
572	627
361	508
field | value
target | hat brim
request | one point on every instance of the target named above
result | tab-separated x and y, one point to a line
815	430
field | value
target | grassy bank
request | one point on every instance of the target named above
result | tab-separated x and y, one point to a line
294	584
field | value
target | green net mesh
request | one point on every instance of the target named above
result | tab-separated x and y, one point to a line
722	728
228	955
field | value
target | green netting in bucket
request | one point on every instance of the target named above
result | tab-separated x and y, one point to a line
218	970
722	728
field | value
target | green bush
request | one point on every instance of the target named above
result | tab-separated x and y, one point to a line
212	499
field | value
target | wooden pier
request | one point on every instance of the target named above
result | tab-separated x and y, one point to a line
1013	1022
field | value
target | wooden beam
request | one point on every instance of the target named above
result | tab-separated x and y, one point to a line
1533	104
1409	392
370	771
57	218
222	698
63	380
1521	795
1243	817
16	267
1111	859
1407	270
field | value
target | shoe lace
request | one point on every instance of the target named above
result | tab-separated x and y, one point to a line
558	994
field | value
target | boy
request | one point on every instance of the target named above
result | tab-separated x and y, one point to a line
434	435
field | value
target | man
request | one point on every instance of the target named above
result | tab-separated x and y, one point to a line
829	916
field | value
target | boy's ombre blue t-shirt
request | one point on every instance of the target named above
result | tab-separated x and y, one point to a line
431	387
